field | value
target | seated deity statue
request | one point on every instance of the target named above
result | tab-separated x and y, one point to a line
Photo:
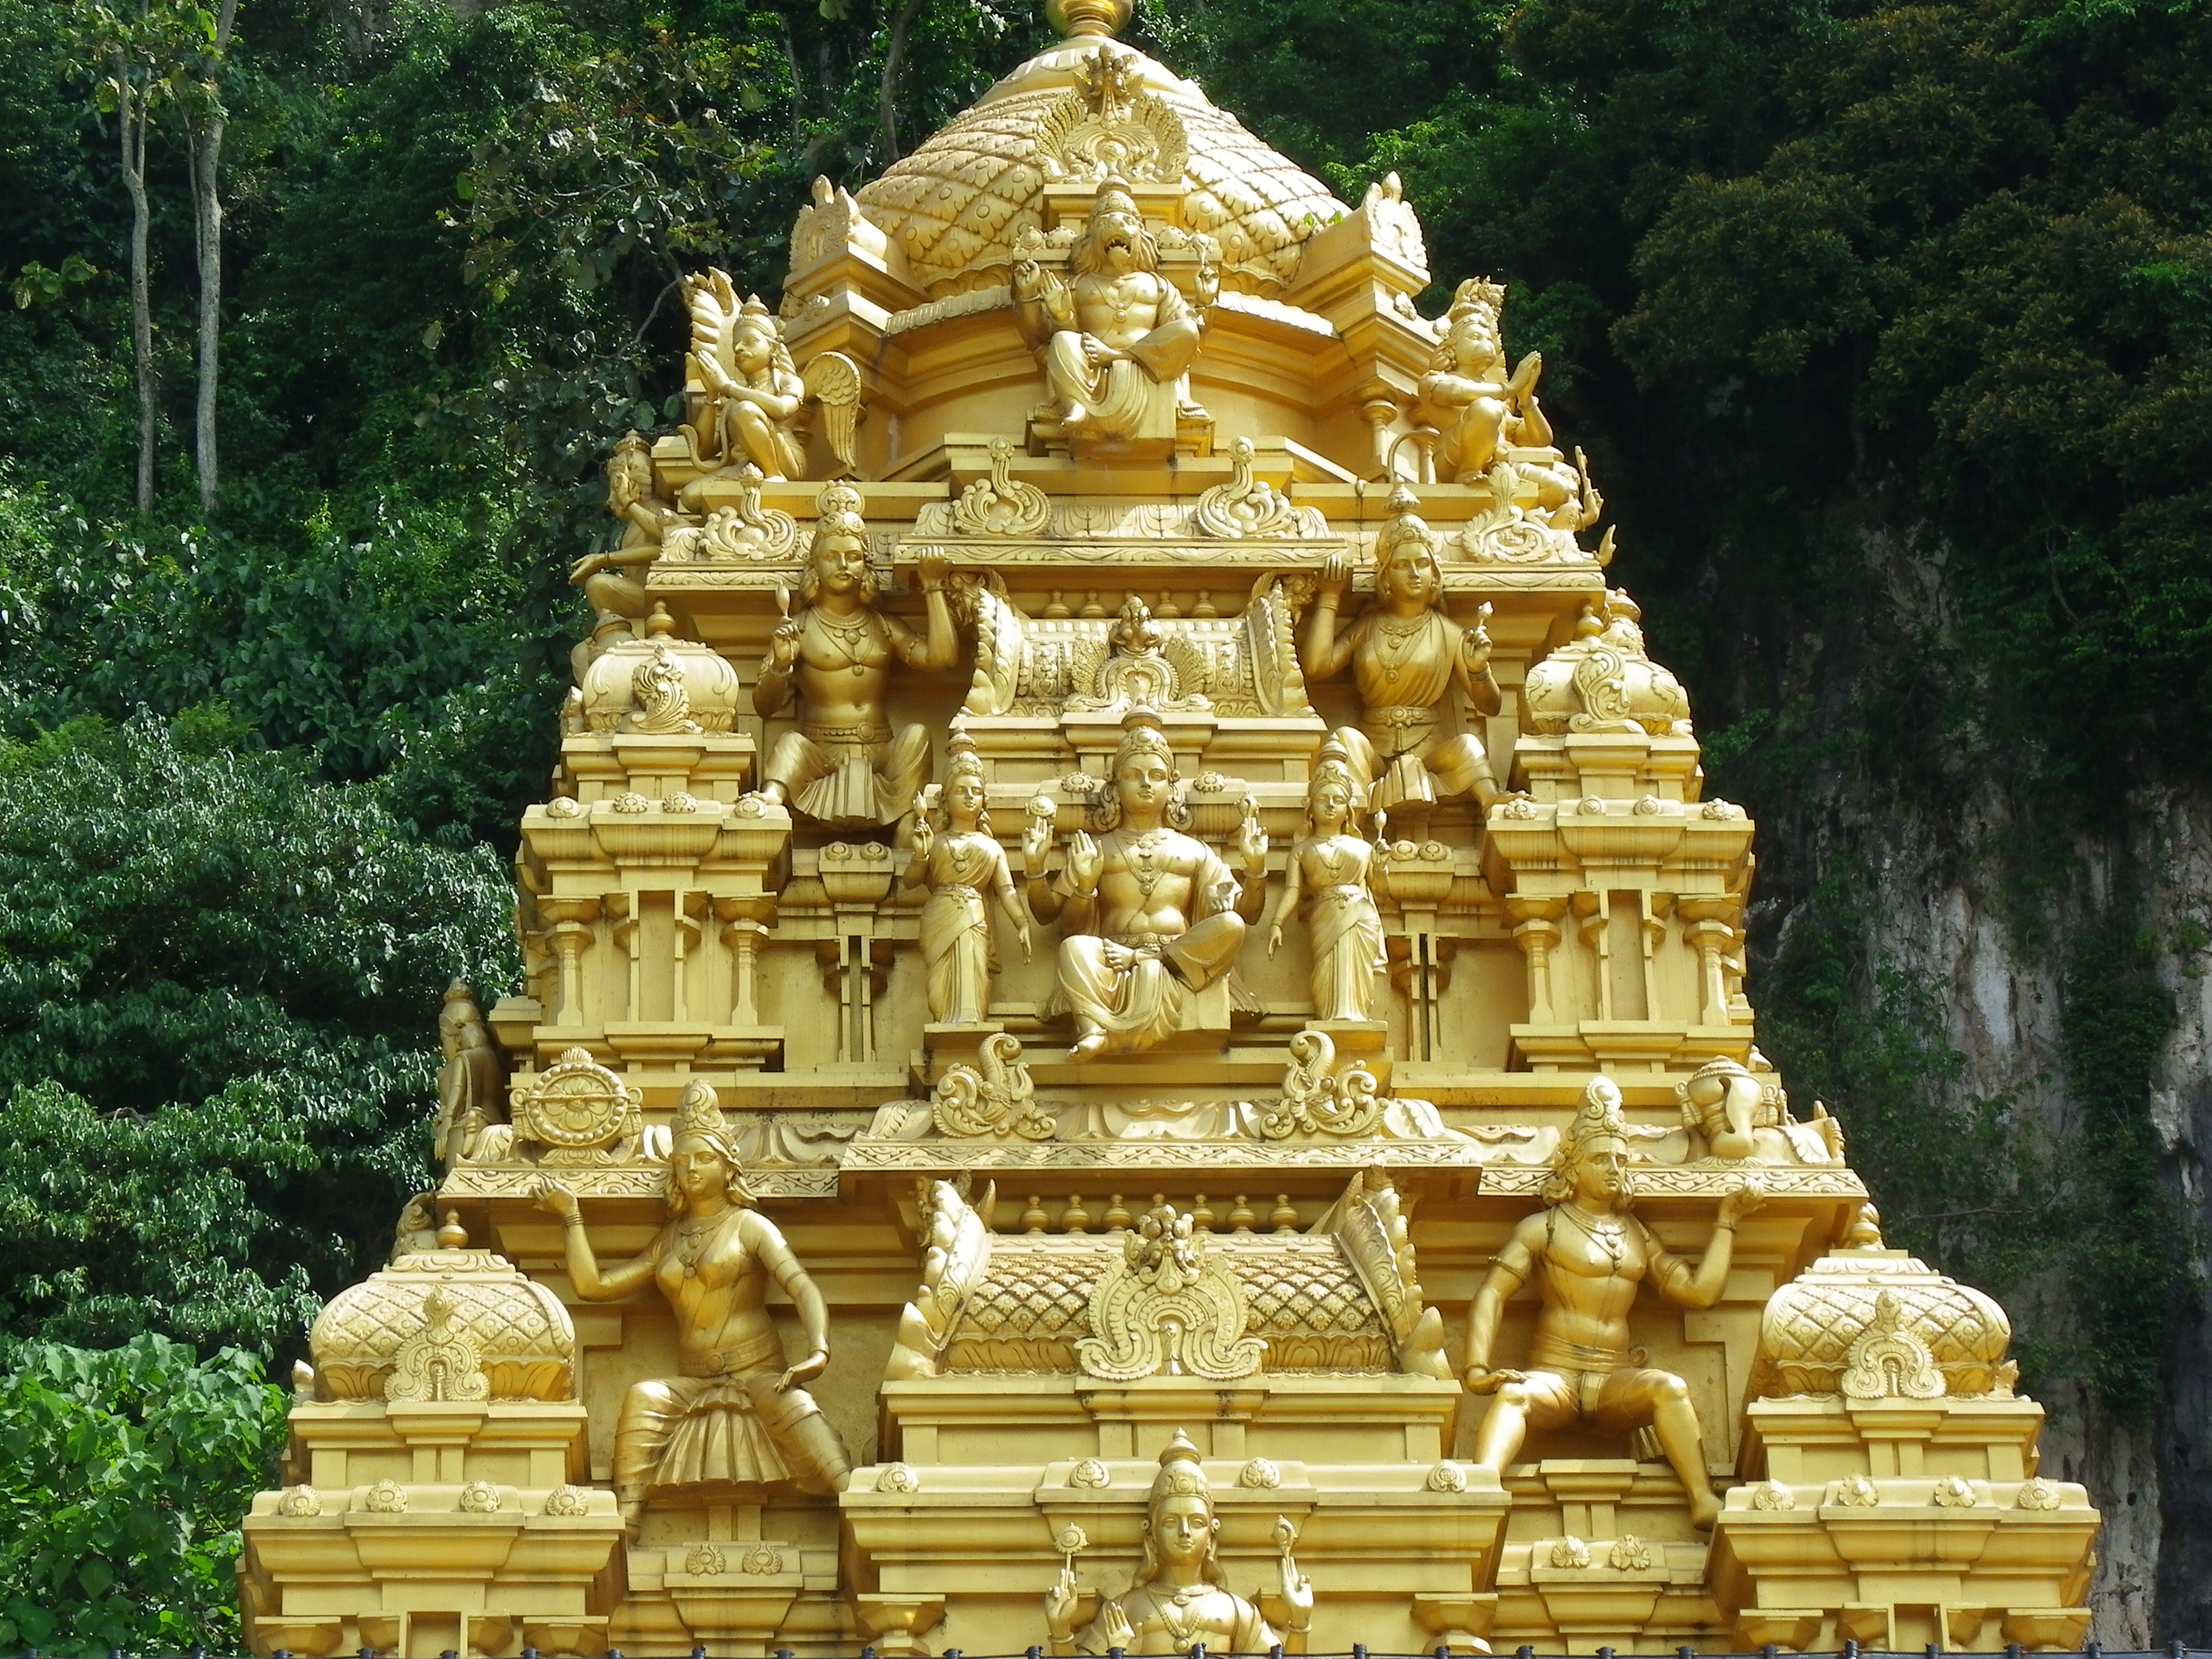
1334	866
1150	917
1469	392
1588	1253
1407	658
962	864
1179	1601
737	1417
844	766
471	1083
614	583
1118	341
753	391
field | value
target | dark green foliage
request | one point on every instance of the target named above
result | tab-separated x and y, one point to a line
218	980
1887	327
123	1473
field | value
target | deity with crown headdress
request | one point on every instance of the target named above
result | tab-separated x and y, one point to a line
1150	917
844	765
1117	341
962	864
1407	658
1476	403
749	390
738	1417
1180	1602
1333	866
1588	1253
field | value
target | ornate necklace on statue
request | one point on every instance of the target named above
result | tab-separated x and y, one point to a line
848	636
1608	1234
1144	866
1183	1624
692	1235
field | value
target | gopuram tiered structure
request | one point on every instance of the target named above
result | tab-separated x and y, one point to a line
1135	1034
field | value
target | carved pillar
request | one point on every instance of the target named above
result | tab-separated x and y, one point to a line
1537	932
1590	919
857	877
1707	923
1658	907
572	919
622	911
690	913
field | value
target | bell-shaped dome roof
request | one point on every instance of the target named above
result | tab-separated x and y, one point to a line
1088	107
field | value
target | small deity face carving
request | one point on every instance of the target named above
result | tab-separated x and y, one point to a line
753	344
1411	575
841	565
1601	1171
629	476
1116	241
1331	803
1143	780
699	1170
963	798
1473	340
1182	1527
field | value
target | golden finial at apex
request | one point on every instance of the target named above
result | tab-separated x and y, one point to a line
1074	18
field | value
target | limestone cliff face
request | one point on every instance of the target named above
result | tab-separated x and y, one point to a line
1936	911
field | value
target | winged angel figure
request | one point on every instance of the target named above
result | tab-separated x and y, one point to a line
745	394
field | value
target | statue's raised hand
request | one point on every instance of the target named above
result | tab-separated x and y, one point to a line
1029	279
1748	1196
1298	1589
783	644
1061	1603
1116	1628
923	836
1251	839
1335	574
1085	863
931	568
552	1195
1036	839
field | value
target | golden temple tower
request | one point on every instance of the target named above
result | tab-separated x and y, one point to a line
1134	1031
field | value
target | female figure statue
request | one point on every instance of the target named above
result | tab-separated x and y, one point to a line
1345	929
1408	659
958	867
1179	1600
736	1416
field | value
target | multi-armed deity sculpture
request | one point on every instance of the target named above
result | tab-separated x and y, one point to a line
1096	536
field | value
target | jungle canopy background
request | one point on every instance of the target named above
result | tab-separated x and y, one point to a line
1889	328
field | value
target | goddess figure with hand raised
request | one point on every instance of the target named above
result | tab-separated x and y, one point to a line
960	866
1179	1600
1334	866
1407	658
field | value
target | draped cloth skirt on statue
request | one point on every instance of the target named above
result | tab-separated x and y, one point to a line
732	1428
1347	950
1137	991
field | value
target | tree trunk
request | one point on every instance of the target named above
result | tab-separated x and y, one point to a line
887	107
207	226
130	129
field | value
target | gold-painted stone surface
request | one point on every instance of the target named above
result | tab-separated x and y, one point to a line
1133	1026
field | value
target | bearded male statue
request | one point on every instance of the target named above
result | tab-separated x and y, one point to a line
1117	342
